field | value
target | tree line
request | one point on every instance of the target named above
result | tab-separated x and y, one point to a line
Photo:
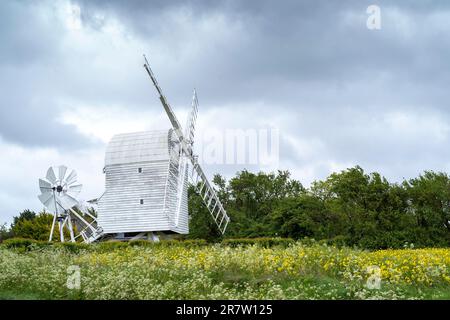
351	208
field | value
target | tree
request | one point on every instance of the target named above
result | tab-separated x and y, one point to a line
369	211
201	224
429	197
302	216
24	215
249	199
5	233
253	199
31	226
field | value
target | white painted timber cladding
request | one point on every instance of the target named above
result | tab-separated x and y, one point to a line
120	209
138	147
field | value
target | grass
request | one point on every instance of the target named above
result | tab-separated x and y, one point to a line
18	295
294	271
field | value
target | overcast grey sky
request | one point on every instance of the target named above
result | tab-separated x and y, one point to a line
340	94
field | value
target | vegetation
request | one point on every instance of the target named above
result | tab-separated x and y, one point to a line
333	240
179	270
350	208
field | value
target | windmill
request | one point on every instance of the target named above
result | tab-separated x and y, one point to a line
146	183
59	190
146	175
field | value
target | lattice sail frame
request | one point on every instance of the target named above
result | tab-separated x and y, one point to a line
186	140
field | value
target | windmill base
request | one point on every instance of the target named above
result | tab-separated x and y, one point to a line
146	236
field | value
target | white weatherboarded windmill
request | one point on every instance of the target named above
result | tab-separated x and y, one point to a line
146	177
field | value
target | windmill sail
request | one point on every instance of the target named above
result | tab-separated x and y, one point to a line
183	166
201	183
173	119
209	197
190	126
182	186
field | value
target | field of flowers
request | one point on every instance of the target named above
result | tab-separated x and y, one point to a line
296	271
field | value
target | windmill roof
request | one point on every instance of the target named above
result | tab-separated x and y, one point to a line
138	147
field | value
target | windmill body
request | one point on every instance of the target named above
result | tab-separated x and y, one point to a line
146	177
146	185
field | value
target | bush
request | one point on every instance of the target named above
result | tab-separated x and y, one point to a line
24	244
30	244
338	241
112	245
108	246
168	243
261	242
73	247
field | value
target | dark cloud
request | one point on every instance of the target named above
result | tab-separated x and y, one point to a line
291	56
347	94
29	123
26	38
29	60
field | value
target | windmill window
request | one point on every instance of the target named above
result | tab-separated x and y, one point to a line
139	170
142	201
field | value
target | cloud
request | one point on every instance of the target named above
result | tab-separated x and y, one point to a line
71	76
21	167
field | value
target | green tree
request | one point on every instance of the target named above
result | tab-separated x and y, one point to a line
201	224
302	216
429	196
248	198
5	233
24	215
254	197
351	207
369	211
37	228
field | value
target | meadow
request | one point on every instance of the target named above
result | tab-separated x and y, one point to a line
286	270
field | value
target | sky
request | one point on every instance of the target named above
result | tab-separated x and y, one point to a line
336	92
